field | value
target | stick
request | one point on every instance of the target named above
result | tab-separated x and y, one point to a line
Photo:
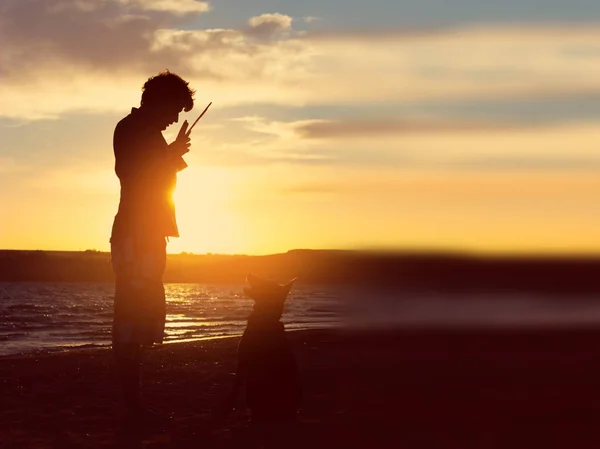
194	124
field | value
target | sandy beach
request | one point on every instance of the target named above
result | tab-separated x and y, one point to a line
402	389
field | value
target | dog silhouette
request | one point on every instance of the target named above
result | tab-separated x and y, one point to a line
267	366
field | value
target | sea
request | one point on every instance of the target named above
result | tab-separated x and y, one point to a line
43	317
40	317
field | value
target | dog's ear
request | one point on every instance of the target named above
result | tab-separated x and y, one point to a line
256	286
264	289
253	280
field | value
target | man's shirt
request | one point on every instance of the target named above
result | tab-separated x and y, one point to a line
148	176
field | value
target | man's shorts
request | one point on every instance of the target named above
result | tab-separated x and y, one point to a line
139	307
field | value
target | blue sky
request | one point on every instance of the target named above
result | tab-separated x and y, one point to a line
389	14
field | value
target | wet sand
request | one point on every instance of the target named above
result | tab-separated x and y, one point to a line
403	389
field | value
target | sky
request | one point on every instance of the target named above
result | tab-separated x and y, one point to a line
440	125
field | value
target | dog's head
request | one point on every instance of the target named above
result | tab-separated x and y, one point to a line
269	296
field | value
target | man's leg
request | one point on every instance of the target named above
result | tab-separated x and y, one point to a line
140	314
128	361
126	348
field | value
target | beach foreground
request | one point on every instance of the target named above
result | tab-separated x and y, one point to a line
402	389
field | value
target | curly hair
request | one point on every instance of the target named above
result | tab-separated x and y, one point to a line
168	87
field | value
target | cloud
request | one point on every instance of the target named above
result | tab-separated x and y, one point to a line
324	129
468	62
129	36
311	19
100	36
59	56
256	141
461	145
268	26
528	163
177	7
264	153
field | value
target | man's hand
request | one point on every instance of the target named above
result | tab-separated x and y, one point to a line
181	145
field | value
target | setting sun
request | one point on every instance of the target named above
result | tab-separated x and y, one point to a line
208	220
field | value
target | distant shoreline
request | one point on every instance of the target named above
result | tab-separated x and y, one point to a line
441	252
440	272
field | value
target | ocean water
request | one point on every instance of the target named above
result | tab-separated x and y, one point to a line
46	317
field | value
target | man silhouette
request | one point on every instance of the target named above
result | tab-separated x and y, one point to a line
147	170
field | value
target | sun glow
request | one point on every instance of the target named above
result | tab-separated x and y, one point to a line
207	219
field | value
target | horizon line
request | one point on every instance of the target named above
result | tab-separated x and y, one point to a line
440	252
